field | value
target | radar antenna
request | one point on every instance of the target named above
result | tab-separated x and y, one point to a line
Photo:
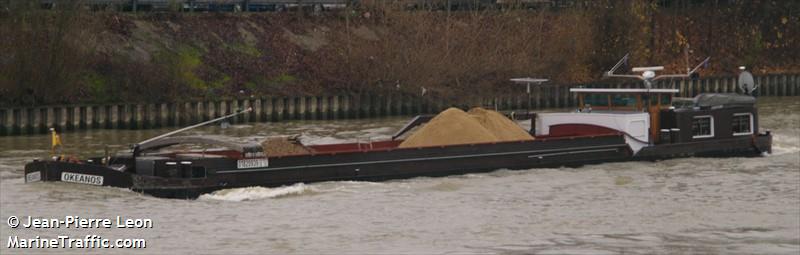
648	73
529	81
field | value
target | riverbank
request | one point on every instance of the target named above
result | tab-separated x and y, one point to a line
58	57
144	115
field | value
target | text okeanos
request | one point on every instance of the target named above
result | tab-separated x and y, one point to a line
82	178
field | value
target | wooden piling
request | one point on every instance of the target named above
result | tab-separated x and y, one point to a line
235	108
24	121
269	109
324	107
33	120
280	108
223	108
345	104
315	105
50	115
782	90
114	117
300	107
90	117
36	120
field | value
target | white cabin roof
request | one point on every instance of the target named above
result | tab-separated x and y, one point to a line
638	90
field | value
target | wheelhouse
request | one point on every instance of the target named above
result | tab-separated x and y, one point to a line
654	116
652	101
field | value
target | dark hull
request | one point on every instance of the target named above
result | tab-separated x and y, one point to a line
405	163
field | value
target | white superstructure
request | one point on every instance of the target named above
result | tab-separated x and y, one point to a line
634	124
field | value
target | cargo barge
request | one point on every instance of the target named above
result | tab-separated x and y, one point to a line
610	125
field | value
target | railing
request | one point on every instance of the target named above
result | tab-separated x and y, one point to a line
35	120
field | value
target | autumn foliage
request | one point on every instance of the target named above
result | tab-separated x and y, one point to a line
73	55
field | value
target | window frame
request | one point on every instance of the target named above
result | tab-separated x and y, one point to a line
750	116
711	126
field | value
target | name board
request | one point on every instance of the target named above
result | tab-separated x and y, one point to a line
33	177
82	178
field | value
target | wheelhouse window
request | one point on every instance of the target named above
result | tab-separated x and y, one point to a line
666	100
703	126
742	123
623	100
596	100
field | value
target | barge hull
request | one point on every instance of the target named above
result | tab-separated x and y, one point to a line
365	166
406	163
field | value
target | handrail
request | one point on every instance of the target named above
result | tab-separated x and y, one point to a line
192	127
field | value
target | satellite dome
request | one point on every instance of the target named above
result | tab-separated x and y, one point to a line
648	74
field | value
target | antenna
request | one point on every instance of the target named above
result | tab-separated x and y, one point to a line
528	81
649	72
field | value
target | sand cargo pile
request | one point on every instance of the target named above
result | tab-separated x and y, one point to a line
283	146
501	127
454	126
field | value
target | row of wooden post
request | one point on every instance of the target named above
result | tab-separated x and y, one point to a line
36	120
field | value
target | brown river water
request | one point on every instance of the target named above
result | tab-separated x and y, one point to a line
678	206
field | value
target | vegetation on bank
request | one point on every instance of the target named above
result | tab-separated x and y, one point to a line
70	55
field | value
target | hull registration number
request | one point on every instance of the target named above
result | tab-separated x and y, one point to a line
33	176
82	178
252	163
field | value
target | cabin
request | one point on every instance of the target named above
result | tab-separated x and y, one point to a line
652	116
711	116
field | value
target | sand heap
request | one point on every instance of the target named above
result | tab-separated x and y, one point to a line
282	146
451	126
501	127
454	126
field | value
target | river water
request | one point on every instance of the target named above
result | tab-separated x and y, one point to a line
690	205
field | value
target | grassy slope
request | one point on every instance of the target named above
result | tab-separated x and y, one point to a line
98	57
